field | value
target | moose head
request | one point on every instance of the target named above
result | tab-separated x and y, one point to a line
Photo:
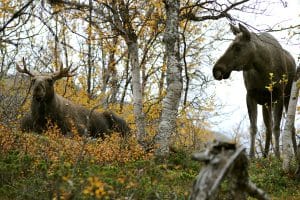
237	56
43	84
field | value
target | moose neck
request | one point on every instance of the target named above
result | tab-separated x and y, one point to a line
268	51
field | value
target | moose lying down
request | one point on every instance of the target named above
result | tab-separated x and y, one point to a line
261	58
47	105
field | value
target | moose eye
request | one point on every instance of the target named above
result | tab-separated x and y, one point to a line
50	81
32	81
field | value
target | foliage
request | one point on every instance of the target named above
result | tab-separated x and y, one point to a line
97	48
12	96
268	174
51	166
48	33
56	165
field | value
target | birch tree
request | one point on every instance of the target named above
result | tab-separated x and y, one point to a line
174	78
192	11
289	129
122	22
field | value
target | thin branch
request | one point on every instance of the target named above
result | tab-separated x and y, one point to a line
222	14
16	15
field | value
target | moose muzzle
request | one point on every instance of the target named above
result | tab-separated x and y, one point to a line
219	73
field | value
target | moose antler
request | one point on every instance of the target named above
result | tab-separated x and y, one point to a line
24	70
64	72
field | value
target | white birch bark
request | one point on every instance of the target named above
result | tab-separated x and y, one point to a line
125	28
287	150
174	79
137	92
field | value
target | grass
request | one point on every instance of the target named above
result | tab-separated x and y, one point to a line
22	178
46	170
268	175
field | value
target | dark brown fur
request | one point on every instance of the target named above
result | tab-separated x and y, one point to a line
258	55
48	106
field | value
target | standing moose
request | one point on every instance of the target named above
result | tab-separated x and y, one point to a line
47	105
260	56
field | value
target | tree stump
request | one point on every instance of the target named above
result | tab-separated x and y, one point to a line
224	159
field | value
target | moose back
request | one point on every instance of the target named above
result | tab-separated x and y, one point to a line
268	72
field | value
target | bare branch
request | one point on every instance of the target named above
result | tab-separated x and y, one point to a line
15	15
222	13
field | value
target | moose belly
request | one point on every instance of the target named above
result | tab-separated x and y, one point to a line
264	96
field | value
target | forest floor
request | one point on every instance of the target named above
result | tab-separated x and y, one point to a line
36	167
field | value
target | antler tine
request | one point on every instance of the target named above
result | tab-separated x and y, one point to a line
64	72
24	70
73	70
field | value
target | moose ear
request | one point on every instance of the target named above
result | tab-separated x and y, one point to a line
246	32
235	30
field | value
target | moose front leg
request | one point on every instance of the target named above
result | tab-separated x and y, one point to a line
252	113
267	116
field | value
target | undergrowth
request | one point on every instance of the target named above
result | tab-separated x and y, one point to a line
51	166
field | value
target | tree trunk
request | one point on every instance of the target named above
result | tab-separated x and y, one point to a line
174	79
289	130
137	91
109	74
105	76
127	78
123	24
113	73
89	42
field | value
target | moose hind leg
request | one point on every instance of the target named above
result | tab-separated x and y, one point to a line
252	113
276	126
267	116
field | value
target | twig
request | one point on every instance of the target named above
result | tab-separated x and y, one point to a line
15	15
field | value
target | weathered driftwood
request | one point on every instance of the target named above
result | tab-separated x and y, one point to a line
224	159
